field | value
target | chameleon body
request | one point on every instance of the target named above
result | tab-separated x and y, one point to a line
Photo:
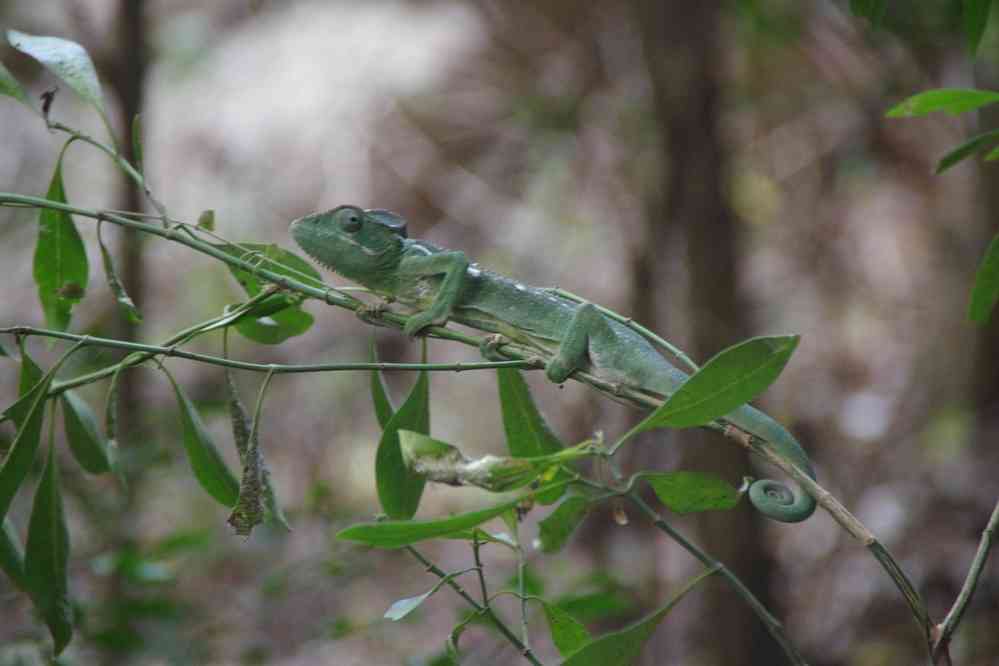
371	247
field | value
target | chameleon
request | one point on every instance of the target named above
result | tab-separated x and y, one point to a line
372	247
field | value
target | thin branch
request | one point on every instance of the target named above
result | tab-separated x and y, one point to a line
772	624
479	608
945	629
275	368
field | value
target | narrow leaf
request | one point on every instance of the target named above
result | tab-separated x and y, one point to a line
137	142
873	10
29	378
621	648
555	530
206	462
47	556
287	319
125	303
379	396
689	492
206	220
21	455
527	431
276	328
10	87
399	487
976	18
974	145
954	101
85	441
732	378
111	428
4	352
67	60
399	533
985	291
60	268
568	633
404	607
12	555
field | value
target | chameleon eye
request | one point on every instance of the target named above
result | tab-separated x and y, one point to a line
351	222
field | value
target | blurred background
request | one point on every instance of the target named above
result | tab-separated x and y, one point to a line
715	170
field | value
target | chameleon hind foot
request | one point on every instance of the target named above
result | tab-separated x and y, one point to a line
489	348
371	313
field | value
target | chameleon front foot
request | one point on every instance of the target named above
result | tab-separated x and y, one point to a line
371	313
489	347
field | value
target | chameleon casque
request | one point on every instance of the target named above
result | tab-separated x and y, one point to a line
371	247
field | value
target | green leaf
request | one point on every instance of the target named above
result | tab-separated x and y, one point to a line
954	101
993	155
689	492
125	303
732	378
29	378
873	10
21	455
206	462
206	220
47	556
60	269
85	441
568	633
67	60
607	602
985	291
974	145
527	432
273	258
399	487
976	18
399	533
404	607
137	142
10	87
12	555
4	352
555	530
499	538
620	648
379	396
286	319
111	427
276	328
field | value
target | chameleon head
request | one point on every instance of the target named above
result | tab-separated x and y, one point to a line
359	244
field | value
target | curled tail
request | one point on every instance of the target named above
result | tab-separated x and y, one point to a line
772	498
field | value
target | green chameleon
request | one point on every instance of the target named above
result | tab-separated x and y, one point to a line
371	247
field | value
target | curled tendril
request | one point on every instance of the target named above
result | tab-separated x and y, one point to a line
779	502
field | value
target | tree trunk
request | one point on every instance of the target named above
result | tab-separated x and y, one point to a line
682	50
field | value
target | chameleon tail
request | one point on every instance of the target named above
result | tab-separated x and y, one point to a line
773	499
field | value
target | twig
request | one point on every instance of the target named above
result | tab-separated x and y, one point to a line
276	368
773	625
487	611
945	629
